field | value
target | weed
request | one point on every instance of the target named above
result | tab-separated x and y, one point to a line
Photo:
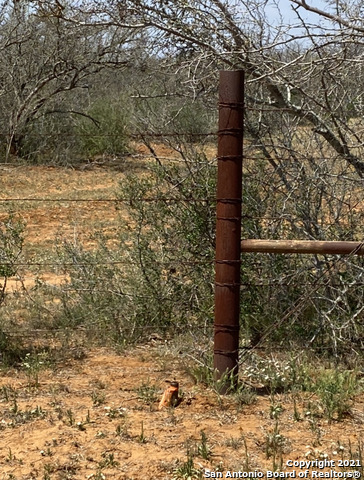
97	476
19	416
70	417
33	364
354	455
99	384
141	438
171	418
147	393
201	374
115	412
98	398
37	412
316	430
244	395
335	390
274	445
187	470
227	383
48	469
203	448
246	466
276	376
46	453
15	408
313	409
296	413
10	456
234	442
276	410
12	459
122	431
108	460
8	393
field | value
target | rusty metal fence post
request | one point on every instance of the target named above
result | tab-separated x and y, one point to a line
228	225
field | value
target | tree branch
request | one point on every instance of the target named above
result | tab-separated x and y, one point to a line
329	16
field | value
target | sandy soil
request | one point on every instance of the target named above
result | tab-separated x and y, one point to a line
97	417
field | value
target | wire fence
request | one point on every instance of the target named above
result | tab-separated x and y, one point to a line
320	281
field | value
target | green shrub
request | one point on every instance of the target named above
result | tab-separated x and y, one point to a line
193	120
104	130
335	390
159	275
11	246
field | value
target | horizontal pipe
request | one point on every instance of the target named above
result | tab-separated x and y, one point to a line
302	246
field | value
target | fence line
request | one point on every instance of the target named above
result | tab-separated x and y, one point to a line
148	156
124	134
241	284
113	200
294	309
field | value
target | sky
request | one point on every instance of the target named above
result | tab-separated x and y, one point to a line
289	15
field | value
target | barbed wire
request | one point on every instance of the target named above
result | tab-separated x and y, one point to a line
112	200
291	312
169	263
114	159
134	200
138	135
156	335
329	282
63	288
131	153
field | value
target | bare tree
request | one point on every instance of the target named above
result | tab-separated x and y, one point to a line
43	59
302	70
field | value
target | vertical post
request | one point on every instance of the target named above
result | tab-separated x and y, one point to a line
228	225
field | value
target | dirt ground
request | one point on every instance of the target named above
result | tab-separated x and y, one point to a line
97	417
67	204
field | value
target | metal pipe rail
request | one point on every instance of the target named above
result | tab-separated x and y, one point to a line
302	247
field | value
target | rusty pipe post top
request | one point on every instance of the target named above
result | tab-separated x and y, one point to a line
231	89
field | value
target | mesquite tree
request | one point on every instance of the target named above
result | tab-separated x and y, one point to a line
304	109
46	66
